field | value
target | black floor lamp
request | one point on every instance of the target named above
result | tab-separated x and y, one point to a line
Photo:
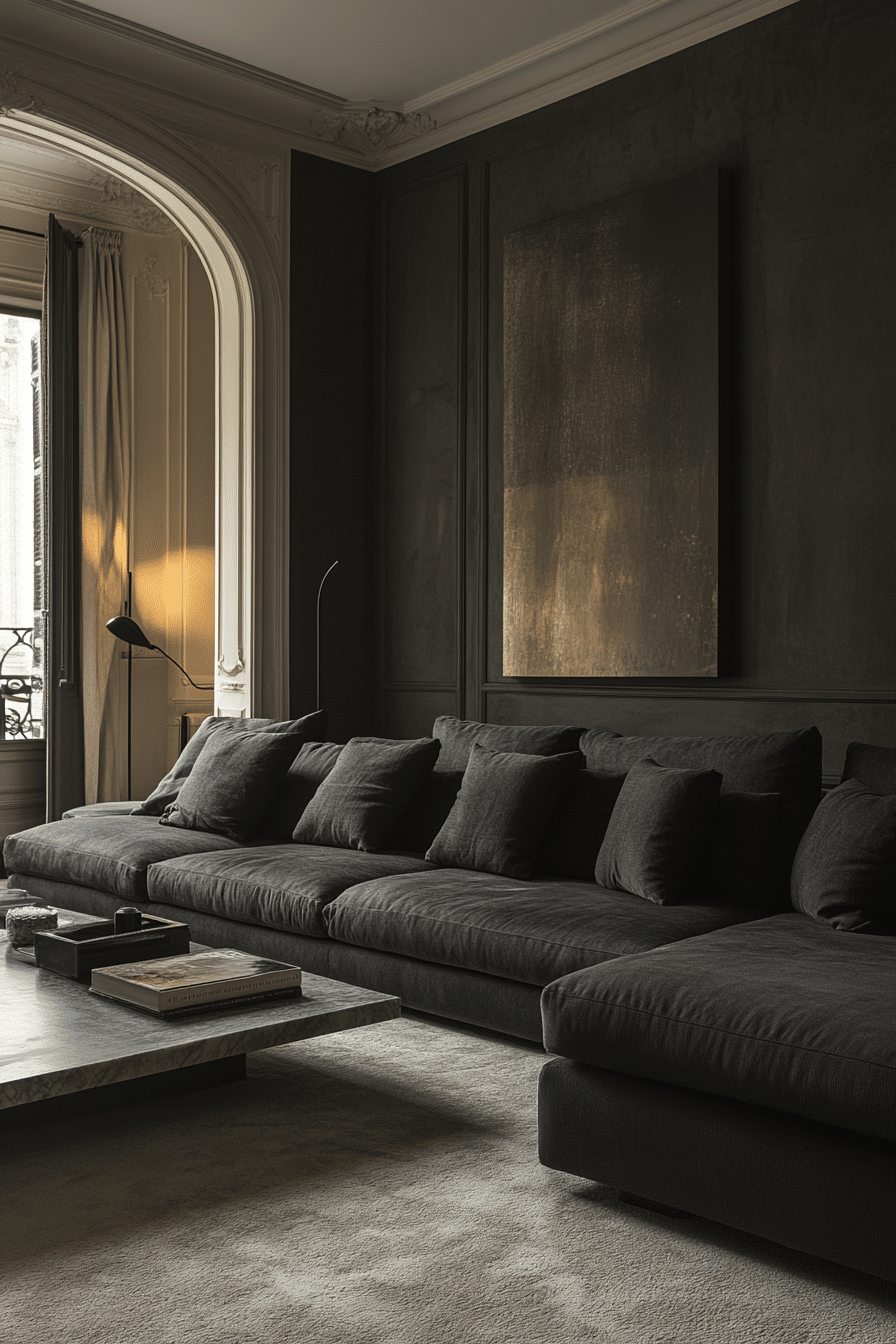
123	628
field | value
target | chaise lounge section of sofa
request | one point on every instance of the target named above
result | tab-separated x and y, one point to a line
749	1075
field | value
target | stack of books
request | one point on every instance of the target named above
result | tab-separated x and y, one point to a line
196	982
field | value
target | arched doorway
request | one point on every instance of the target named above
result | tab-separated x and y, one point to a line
246	265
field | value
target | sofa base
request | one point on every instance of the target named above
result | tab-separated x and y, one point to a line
814	1188
446	991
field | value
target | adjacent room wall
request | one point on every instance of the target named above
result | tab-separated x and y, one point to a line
798	108
172	353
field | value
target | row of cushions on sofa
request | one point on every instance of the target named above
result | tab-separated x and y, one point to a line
769	789
512	801
375	782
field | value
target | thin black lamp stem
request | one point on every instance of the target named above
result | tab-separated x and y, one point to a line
180	669
319	591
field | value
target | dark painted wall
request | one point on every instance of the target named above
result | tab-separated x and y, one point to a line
798	107
332	455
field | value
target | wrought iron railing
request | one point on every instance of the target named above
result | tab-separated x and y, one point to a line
21	693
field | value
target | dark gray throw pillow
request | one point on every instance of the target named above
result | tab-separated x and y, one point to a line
232	782
656	842
312	728
362	799
845	868
503	809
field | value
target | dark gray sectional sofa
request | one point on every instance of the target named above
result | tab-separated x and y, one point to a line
718	1050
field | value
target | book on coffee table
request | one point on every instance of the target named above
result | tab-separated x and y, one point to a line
197	981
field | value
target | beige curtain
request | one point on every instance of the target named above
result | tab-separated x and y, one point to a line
105	498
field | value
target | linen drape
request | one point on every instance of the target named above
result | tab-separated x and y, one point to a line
105	500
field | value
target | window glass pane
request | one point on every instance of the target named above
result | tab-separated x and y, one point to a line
21	561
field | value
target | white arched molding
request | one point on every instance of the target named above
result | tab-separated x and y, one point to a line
231	206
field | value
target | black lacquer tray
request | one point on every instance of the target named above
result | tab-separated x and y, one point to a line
81	948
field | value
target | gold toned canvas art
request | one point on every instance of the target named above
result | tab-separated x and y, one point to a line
611	438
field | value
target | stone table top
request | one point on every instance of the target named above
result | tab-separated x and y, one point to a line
57	1038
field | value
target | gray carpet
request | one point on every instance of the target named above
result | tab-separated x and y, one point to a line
378	1187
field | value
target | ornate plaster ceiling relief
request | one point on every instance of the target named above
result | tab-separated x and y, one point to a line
15	99
129	208
373	127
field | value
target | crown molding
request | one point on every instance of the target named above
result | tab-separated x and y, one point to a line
637	36
368	135
175	46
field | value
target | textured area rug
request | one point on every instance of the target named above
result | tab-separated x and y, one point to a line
377	1187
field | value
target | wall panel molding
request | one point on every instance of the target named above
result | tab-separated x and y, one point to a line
758	693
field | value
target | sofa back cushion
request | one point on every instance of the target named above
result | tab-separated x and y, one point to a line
576	830
302	780
311	727
750	852
360	801
875	767
458	735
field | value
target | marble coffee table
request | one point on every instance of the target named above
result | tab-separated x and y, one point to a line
63	1049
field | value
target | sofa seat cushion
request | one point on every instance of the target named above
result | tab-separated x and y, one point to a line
782	1012
278	886
526	931
108	853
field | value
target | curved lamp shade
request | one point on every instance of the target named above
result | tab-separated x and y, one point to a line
123	628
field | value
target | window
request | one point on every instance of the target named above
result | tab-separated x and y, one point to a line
21	532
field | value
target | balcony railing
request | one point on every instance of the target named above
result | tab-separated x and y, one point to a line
21	692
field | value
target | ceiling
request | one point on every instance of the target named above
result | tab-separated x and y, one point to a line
394	51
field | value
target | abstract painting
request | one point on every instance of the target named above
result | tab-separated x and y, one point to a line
613	330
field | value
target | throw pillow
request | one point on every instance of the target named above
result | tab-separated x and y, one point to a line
845	868
311	727
361	800
576	831
502	811
655	845
232	782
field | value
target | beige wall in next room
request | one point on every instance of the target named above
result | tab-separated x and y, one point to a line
172	355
